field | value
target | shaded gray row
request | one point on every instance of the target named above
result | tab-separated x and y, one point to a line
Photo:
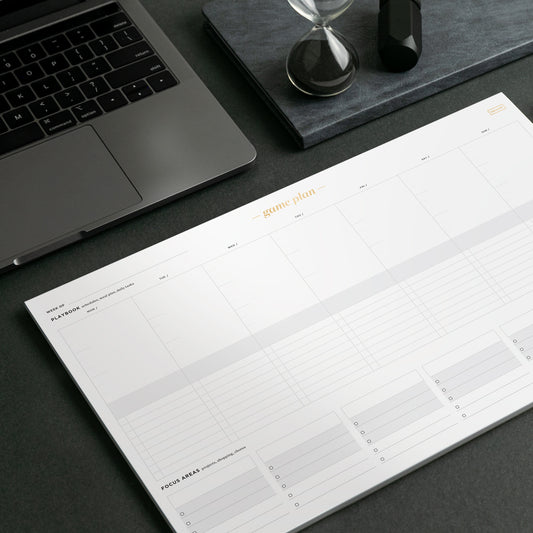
226	501
394	401
318	441
312	464
480	376
403	420
524	338
459	369
397	412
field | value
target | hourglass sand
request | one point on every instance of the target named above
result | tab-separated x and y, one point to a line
322	62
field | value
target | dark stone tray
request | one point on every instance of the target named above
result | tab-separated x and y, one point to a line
460	40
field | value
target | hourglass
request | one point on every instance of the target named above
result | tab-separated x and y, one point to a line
322	62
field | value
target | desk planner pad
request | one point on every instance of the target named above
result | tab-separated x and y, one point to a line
271	365
461	40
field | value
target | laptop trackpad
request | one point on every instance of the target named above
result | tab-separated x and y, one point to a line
58	188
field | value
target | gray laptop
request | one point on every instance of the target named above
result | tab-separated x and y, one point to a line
100	118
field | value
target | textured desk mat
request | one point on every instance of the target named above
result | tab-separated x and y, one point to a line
461	40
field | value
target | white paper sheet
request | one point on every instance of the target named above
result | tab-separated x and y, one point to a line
286	358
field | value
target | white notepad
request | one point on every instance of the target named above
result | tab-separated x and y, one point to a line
293	355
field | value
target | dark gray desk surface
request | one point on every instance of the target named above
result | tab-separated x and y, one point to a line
58	469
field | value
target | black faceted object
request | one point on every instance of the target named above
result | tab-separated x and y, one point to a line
400	34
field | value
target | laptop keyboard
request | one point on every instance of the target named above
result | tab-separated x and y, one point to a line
73	71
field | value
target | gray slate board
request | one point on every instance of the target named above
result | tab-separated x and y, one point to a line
461	40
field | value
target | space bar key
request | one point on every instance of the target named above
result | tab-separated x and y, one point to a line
20	137
134	72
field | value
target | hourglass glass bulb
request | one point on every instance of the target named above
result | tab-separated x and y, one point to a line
320	11
322	62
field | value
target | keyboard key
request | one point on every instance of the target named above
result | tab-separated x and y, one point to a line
93	88
54	64
52	30
79	54
110	24
20	137
3	129
4	105
58	122
96	67
18	117
59	43
71	77
8	82
29	73
69	97
46	86
127	36
44	107
112	100
104	45
20	96
80	35
9	62
31	53
137	91
130	54
86	110
161	81
134	72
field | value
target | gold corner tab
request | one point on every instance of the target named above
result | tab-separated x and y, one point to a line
496	109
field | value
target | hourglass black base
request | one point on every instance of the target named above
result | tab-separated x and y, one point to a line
322	63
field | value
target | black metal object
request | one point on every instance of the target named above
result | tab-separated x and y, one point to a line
400	33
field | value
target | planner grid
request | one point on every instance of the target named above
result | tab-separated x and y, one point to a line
332	342
333	352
